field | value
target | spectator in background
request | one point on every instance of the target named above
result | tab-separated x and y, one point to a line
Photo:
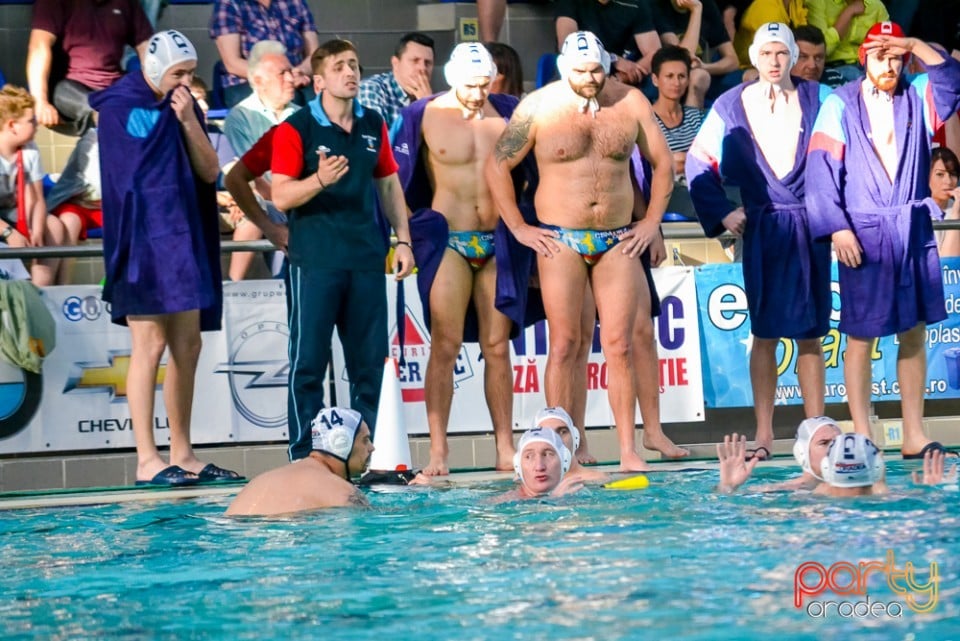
679	123
625	28
75	49
758	13
509	78
714	62
944	171
844	26
813	53
732	14
270	103
25	222
272	80
75	197
408	80
237	25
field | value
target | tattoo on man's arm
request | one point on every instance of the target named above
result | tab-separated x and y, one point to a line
513	138
357	499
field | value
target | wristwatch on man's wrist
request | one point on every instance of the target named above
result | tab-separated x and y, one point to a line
5	234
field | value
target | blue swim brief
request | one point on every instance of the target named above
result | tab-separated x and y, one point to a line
591	244
475	246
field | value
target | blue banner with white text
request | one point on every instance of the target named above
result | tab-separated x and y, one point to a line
726	341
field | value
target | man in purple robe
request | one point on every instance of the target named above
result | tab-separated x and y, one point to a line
161	245
756	138
869	157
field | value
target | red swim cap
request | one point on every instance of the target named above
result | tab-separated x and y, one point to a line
882	29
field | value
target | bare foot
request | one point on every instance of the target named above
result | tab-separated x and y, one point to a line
633	462
505	459
436	467
584	457
192	464
662	444
146	470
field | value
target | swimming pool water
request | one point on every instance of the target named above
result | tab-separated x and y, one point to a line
675	561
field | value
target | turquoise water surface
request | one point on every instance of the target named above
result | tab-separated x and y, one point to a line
675	561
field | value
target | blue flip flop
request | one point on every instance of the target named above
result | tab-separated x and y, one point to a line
172	476
932	446
213	474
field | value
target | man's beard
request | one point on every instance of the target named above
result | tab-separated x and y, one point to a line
884	82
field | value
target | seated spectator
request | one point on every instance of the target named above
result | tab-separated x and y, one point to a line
77	48
408	80
813	52
679	123
75	197
625	28
696	25
944	171
844	26
758	13
272	81
237	25
732	11
22	206
268	105
509	78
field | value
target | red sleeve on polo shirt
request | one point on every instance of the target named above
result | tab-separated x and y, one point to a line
386	163
287	157
258	159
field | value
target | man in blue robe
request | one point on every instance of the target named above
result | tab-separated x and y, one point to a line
161	244
869	157
756	138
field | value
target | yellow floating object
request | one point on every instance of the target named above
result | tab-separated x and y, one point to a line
639	482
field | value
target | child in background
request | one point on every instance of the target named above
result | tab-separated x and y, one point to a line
23	215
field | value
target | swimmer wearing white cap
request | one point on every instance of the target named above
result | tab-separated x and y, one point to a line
558	420
540	463
590	228
814	437
853	466
448	147
341	450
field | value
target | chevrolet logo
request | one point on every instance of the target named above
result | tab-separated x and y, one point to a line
112	377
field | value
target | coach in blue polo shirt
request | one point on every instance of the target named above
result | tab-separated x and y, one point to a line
324	160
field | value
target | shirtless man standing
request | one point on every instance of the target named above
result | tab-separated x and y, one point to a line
442	145
582	131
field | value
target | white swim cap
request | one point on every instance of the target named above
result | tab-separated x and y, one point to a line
852	461
469	60
580	47
542	435
773	32
334	430
165	49
560	414
805	434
